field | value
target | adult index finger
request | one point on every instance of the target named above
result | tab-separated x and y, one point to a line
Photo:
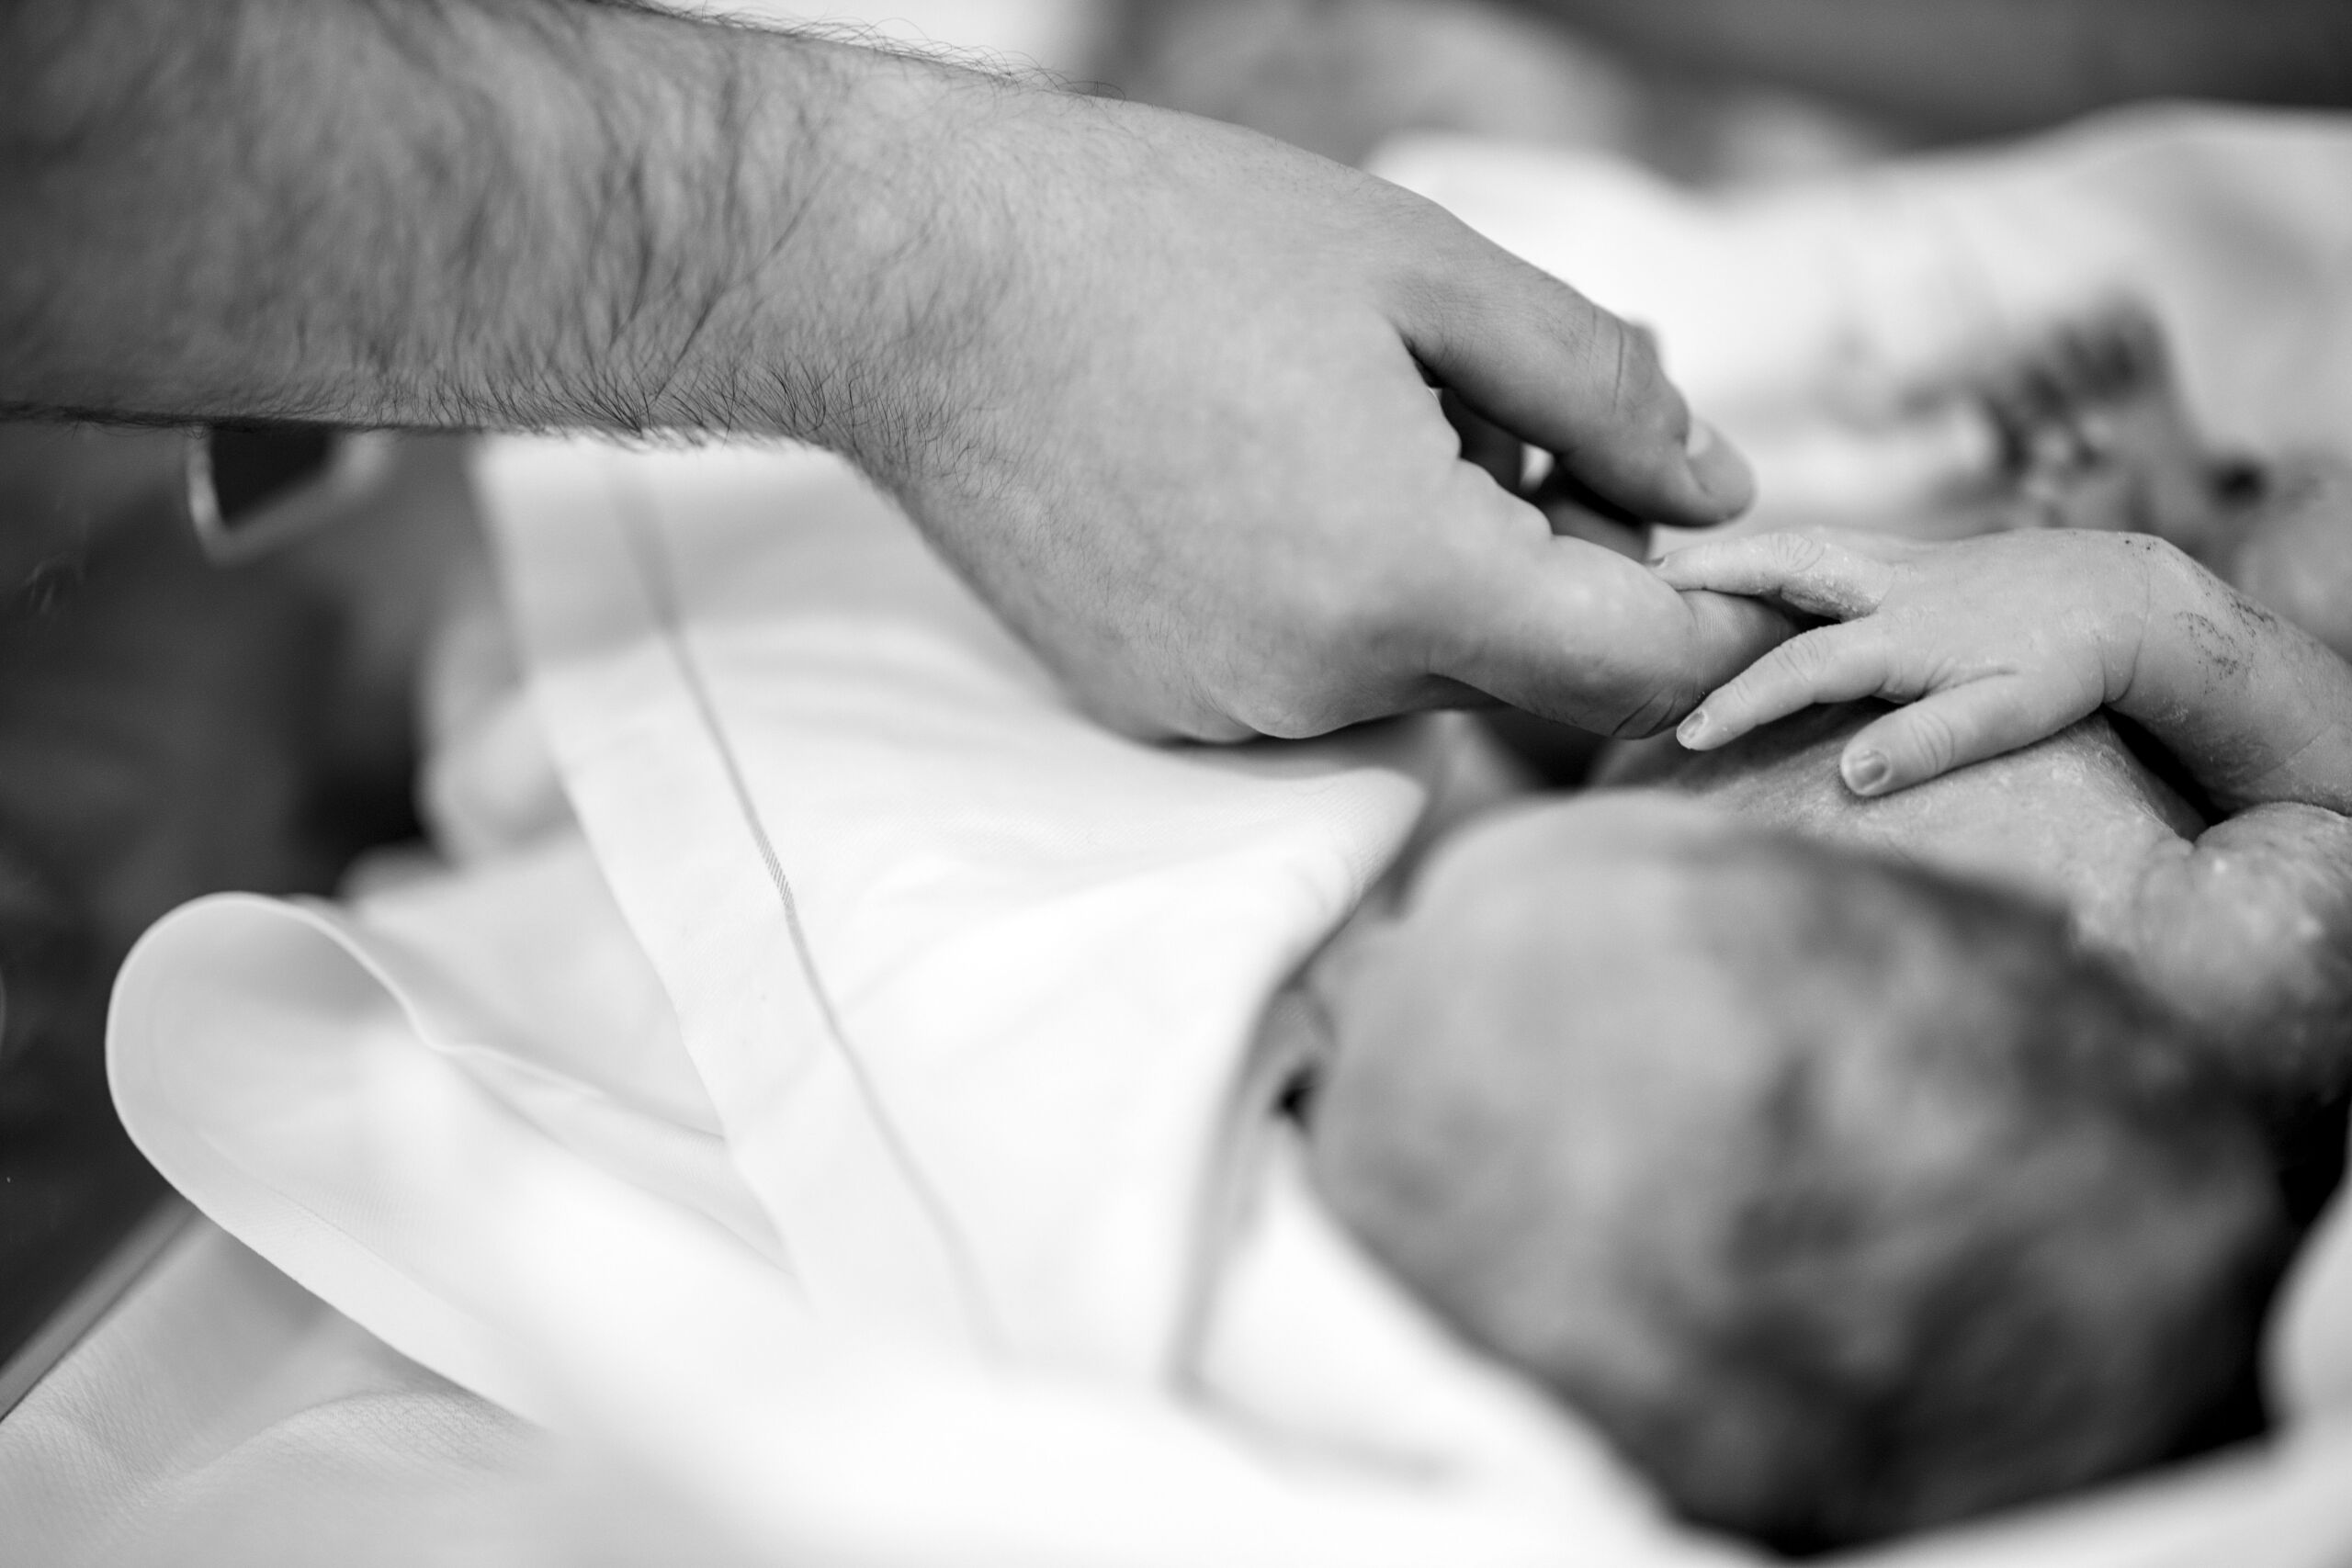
1581	634
1540	359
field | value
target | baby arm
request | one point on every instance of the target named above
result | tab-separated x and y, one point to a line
1998	641
1995	642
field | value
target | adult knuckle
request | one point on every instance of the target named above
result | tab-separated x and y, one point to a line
1286	709
1141	717
1437	260
1638	392
1308	685
1294	721
1392	206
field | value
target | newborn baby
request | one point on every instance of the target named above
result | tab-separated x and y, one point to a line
1861	1139
1842	1198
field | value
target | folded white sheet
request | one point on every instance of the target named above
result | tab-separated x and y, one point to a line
823	1109
963	1171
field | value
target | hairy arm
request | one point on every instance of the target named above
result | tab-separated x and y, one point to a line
468	213
1158	388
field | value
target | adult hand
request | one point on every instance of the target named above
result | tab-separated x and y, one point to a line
1191	451
1159	387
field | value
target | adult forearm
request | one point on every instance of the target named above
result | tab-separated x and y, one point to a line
471	213
1158	386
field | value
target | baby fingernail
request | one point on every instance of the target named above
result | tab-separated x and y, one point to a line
1692	729
1719	468
1867	770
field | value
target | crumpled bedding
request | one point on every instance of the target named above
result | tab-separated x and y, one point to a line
221	1415
968	1104
819	1079
1814	322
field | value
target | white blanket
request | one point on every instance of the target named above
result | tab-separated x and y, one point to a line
1810	319
817	1083
946	1095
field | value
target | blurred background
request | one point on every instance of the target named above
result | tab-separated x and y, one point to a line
171	727
1712	90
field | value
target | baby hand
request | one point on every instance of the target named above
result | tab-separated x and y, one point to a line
1993	642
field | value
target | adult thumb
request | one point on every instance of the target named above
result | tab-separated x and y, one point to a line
1555	369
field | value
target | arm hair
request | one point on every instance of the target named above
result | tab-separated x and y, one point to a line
473	213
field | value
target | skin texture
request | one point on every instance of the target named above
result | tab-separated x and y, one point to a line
1559	1086
1996	642
2241	927
2006	649
1158	388
1845	1200
1453	966
2295	554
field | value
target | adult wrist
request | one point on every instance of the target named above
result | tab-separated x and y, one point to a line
861	259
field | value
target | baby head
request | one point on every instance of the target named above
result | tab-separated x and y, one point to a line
1844	1199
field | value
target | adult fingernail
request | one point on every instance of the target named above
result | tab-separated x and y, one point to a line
1719	468
1693	730
1867	772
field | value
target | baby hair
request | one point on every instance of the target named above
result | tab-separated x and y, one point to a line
1989	1227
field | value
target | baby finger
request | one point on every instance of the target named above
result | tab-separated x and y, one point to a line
1946	729
1829	664
1818	574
